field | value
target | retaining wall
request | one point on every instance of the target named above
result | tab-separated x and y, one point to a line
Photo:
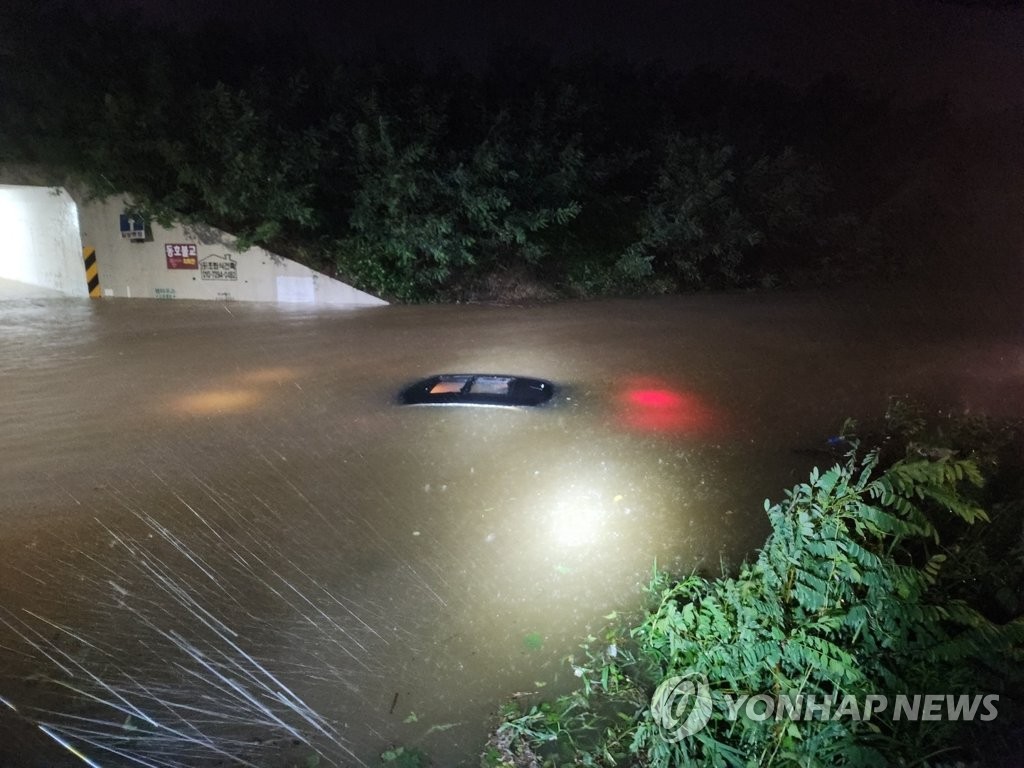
46	232
40	247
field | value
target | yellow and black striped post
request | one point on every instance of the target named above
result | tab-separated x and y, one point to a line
92	272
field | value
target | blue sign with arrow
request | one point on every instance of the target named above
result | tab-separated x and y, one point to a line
133	226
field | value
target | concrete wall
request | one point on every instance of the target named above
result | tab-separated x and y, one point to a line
43	232
200	263
40	247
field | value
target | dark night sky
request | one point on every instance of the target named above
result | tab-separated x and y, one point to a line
909	48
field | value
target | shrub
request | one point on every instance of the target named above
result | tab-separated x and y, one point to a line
848	597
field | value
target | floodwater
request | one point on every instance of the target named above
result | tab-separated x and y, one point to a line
215	517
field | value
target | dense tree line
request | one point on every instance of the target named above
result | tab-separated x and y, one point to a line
531	177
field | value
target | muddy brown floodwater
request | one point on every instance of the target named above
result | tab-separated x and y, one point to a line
215	517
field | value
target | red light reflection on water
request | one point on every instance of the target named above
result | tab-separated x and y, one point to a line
652	405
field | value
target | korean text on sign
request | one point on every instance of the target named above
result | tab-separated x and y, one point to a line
181	256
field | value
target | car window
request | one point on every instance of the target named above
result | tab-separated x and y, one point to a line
491	385
449	385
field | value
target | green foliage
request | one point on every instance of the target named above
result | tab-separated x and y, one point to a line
848	597
692	228
988	568
423	214
587	178
709	210
230	164
403	238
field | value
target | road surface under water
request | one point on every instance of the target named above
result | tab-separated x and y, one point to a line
215	516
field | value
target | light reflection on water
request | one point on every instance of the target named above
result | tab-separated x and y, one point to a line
406	569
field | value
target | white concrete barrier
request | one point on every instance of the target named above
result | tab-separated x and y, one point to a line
181	262
40	247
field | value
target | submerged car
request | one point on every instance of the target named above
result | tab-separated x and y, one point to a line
478	389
